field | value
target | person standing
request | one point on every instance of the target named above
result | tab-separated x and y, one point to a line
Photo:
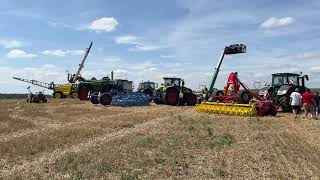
308	103
295	102
181	102
317	103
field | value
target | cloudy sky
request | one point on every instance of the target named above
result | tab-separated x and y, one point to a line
149	39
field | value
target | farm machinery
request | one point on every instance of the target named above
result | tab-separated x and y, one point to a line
62	90
235	101
36	97
283	84
116	92
168	93
147	87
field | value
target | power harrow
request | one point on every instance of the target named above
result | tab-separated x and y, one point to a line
258	108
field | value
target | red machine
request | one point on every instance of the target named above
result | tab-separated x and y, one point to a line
245	96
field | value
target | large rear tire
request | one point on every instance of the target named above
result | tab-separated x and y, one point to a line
83	94
105	99
284	103
171	97
244	97
216	94
191	100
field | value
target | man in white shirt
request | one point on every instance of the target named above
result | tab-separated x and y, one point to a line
181	102
295	102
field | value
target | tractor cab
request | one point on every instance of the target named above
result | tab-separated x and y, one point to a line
124	85
281	82
146	85
168	81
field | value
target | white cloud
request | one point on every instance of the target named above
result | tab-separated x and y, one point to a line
139	45
10	44
16	54
277	22
145	48
127	40
112	60
106	24
63	53
167	56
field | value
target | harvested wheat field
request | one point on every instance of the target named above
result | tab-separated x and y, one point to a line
69	139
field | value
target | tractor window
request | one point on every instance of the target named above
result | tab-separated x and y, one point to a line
171	82
279	80
294	80
152	85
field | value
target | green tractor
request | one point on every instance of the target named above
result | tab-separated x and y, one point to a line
147	87
106	87
283	84
168	93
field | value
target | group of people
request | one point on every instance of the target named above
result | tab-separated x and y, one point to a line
310	103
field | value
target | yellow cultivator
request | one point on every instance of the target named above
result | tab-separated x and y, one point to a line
228	108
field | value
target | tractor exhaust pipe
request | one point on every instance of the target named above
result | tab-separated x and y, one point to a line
111	75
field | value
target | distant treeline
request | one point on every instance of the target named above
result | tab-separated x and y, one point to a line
15	96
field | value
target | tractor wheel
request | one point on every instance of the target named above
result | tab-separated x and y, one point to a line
105	99
157	101
94	98
57	95
215	94
74	95
244	97
191	100
171	97
284	103
83	94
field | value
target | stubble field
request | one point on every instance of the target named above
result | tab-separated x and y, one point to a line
69	139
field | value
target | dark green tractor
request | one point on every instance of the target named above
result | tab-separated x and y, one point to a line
283	84
168	93
147	87
105	88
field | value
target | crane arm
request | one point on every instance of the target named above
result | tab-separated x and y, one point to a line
37	83
81	65
228	50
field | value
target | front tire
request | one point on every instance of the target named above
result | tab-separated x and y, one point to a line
94	99
284	103
57	95
74	95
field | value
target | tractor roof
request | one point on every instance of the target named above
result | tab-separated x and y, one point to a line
285	74
172	78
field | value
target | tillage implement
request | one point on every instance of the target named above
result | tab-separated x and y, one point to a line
235	101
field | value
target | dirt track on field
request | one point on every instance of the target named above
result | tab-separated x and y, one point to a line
71	139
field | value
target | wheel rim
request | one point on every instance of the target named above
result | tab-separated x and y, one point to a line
74	95
57	95
83	94
105	99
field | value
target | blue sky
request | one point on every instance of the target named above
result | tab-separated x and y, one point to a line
147	39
